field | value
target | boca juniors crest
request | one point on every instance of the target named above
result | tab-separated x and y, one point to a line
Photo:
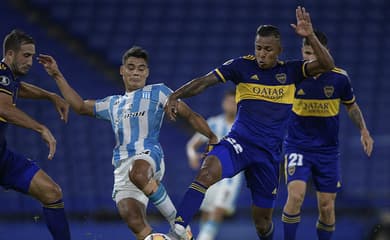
328	91
281	77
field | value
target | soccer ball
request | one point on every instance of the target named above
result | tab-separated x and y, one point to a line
157	236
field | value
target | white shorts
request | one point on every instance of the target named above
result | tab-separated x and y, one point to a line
124	188
223	194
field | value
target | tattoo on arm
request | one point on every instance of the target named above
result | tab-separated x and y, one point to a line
356	116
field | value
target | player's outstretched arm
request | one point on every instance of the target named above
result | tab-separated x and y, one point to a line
355	114
192	88
31	91
304	28
14	115
197	122
71	96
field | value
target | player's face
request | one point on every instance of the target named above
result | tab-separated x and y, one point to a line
267	50
134	72
308	53
229	105
22	59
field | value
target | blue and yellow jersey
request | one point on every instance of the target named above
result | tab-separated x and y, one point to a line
264	98
9	86
314	122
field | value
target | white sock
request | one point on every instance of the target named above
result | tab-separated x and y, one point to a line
163	203
208	230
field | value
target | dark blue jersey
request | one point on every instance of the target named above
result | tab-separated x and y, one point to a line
264	98
8	85
314	122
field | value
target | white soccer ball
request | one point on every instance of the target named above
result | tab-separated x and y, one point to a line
157	236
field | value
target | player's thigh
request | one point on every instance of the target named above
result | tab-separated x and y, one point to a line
262	179
326	173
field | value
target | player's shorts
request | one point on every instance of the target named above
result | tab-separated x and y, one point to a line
324	168
124	188
223	194
261	171
16	171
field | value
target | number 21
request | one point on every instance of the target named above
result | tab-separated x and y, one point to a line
295	159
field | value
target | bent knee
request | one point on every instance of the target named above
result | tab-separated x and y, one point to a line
264	226
51	194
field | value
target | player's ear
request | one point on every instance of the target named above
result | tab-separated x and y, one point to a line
121	70
10	54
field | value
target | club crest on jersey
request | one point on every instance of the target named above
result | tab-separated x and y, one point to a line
281	77
4	80
328	91
3	66
291	170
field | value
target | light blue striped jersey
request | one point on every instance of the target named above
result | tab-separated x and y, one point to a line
219	126
136	119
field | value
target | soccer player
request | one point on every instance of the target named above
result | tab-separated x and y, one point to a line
312	143
264	94
220	198
17	172
136	118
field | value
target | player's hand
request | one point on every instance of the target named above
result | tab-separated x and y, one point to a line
367	142
50	141
49	64
62	106
171	107
303	27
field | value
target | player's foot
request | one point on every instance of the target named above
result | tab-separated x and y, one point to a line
178	232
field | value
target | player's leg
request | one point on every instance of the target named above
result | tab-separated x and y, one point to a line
326	220
209	173
133	212
142	175
327	180
262	217
210	224
44	189
297	171
23	175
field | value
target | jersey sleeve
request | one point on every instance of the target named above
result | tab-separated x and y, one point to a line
347	96
102	108
164	94
297	69
5	80
228	71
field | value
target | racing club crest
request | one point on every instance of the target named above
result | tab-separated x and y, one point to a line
281	77
328	91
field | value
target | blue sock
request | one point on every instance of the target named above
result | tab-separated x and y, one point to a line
324	231
56	220
269	235
290	225
190	203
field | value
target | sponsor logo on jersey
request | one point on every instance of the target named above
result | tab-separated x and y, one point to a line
254	77
301	92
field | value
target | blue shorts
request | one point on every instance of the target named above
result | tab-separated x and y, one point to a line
261	171
16	171
324	168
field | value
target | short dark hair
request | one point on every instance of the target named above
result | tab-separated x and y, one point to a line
268	30
15	39
321	37
230	92
137	52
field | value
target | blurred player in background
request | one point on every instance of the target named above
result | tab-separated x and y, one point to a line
312	143
220	198
265	93
17	171
136	119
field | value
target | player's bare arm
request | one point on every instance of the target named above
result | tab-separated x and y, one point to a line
14	115
192	88
71	96
31	91
355	114
192	150
197	122
304	28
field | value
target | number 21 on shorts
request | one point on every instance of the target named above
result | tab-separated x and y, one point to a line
295	159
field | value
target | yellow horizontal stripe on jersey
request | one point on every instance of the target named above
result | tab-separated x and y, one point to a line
220	75
349	101
5	91
316	107
283	94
